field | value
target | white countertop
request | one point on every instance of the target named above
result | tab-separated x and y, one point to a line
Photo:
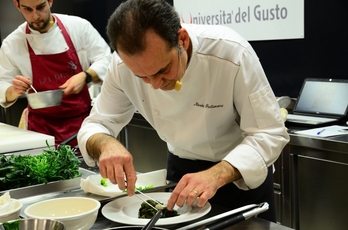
14	139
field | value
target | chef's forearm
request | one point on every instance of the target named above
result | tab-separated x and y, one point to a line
225	173
97	142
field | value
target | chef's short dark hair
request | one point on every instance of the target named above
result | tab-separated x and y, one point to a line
133	18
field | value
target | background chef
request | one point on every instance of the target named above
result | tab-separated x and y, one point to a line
52	51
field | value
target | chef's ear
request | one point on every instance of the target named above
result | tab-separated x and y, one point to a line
16	2
184	38
50	2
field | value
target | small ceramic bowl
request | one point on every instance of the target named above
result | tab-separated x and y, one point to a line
14	213
75	212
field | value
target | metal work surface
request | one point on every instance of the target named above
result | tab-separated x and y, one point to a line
313	172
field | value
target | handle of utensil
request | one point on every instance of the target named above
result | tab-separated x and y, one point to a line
153	221
225	223
218	217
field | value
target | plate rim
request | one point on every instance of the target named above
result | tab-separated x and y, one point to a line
160	222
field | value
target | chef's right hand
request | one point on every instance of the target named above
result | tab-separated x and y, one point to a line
116	163
20	84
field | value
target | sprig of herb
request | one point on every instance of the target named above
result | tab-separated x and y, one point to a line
140	188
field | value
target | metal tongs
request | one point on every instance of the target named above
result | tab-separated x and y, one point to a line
158	215
244	213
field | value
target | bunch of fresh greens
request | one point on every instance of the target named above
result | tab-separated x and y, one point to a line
147	212
13	225
18	171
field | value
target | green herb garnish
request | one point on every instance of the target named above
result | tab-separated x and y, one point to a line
103	182
18	171
140	188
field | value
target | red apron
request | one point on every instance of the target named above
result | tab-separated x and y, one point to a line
49	72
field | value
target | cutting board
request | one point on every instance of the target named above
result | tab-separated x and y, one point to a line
14	139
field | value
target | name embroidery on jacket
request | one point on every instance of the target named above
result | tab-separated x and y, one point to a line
208	106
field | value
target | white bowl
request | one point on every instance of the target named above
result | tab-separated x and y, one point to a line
77	213
14	213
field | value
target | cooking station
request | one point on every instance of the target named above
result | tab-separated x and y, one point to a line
297	194
17	141
71	188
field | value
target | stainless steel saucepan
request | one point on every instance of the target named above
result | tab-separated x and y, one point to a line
45	99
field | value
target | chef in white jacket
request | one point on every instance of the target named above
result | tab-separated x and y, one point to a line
203	89
52	51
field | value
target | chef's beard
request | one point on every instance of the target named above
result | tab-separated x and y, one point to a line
41	28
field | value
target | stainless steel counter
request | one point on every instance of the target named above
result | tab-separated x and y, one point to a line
313	186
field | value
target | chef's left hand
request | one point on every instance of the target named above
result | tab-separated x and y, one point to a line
202	185
74	84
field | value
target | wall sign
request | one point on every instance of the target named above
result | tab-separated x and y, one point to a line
253	19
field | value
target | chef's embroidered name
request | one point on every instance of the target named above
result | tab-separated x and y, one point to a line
207	105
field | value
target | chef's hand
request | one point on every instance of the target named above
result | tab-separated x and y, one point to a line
74	84
115	162
202	185
19	86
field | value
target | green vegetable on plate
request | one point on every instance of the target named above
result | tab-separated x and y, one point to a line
103	182
147	212
140	188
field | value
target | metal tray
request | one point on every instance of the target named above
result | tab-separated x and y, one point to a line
51	187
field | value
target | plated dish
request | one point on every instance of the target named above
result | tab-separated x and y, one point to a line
125	210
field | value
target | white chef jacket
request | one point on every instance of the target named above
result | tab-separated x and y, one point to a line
91	48
225	110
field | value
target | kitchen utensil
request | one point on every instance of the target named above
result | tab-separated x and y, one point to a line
133	228
36	224
31	86
156	201
153	220
45	99
218	217
236	219
75	212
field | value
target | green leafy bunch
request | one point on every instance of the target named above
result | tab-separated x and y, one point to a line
18	171
13	225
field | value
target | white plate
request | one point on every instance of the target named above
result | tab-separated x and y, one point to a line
92	183
125	210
